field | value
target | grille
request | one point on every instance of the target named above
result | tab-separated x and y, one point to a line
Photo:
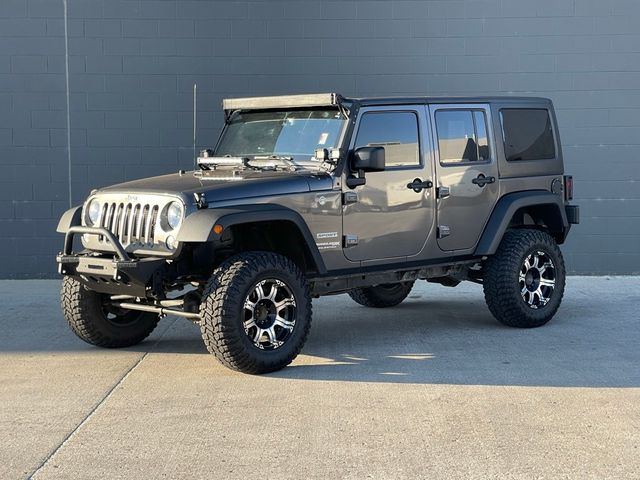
131	223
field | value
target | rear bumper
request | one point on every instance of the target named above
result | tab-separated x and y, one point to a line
573	214
114	275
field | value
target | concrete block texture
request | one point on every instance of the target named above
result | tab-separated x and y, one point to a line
132	65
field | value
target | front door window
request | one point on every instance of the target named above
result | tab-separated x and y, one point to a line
397	132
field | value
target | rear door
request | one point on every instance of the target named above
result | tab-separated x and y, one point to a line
466	170
388	219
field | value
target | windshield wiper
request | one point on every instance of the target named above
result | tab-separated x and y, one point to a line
269	162
207	161
256	162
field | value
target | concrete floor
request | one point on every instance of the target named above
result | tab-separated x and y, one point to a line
434	388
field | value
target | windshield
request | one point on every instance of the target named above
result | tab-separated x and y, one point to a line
293	133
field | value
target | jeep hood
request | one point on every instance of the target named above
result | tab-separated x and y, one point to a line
222	185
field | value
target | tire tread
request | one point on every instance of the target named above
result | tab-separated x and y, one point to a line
80	308
218	324
501	298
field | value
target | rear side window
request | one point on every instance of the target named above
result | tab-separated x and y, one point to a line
527	134
397	132
462	136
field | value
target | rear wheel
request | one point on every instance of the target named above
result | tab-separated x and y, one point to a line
524	281
256	312
93	319
381	296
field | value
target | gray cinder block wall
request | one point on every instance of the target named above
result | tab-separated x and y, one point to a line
132	64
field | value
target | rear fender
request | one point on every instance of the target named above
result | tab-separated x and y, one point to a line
508	205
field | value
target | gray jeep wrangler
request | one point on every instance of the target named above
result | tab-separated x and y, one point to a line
310	195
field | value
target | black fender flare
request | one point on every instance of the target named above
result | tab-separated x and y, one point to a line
70	218
505	209
198	227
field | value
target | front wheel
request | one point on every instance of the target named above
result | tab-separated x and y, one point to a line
256	312
524	280
95	320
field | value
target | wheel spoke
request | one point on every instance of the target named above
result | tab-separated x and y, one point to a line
249	324
273	292
546	282
542	300
258	336
260	292
543	268
271	333
287	302
536	260
284	323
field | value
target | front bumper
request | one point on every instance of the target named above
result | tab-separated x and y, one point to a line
116	275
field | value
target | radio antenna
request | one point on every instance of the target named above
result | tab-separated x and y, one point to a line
195	106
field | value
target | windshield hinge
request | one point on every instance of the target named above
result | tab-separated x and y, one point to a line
444	231
350	241
349	198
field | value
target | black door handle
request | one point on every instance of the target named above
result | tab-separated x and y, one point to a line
481	180
417	185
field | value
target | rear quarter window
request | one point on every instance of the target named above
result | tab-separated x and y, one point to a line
527	134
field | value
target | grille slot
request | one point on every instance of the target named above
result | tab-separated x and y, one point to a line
152	224
130	222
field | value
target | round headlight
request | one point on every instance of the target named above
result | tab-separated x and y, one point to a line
174	215
94	212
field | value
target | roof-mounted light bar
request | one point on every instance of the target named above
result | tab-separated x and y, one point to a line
281	101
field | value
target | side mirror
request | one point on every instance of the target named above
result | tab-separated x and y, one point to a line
368	159
365	159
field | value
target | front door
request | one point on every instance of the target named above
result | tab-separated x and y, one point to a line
467	172
389	219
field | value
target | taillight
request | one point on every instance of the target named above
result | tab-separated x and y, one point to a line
568	187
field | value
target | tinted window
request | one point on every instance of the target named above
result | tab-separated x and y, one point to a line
397	132
527	134
462	136
481	135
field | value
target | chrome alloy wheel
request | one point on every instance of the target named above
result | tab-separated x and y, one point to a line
537	279
269	314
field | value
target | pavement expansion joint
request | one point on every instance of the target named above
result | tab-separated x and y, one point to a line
101	402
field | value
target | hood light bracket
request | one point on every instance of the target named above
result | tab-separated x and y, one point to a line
201	200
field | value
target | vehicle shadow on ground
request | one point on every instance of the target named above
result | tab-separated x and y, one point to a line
459	342
423	341
453	341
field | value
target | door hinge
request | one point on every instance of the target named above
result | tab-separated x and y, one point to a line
349	197
443	231
350	241
443	192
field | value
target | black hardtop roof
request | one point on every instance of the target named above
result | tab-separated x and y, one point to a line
335	99
445	99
